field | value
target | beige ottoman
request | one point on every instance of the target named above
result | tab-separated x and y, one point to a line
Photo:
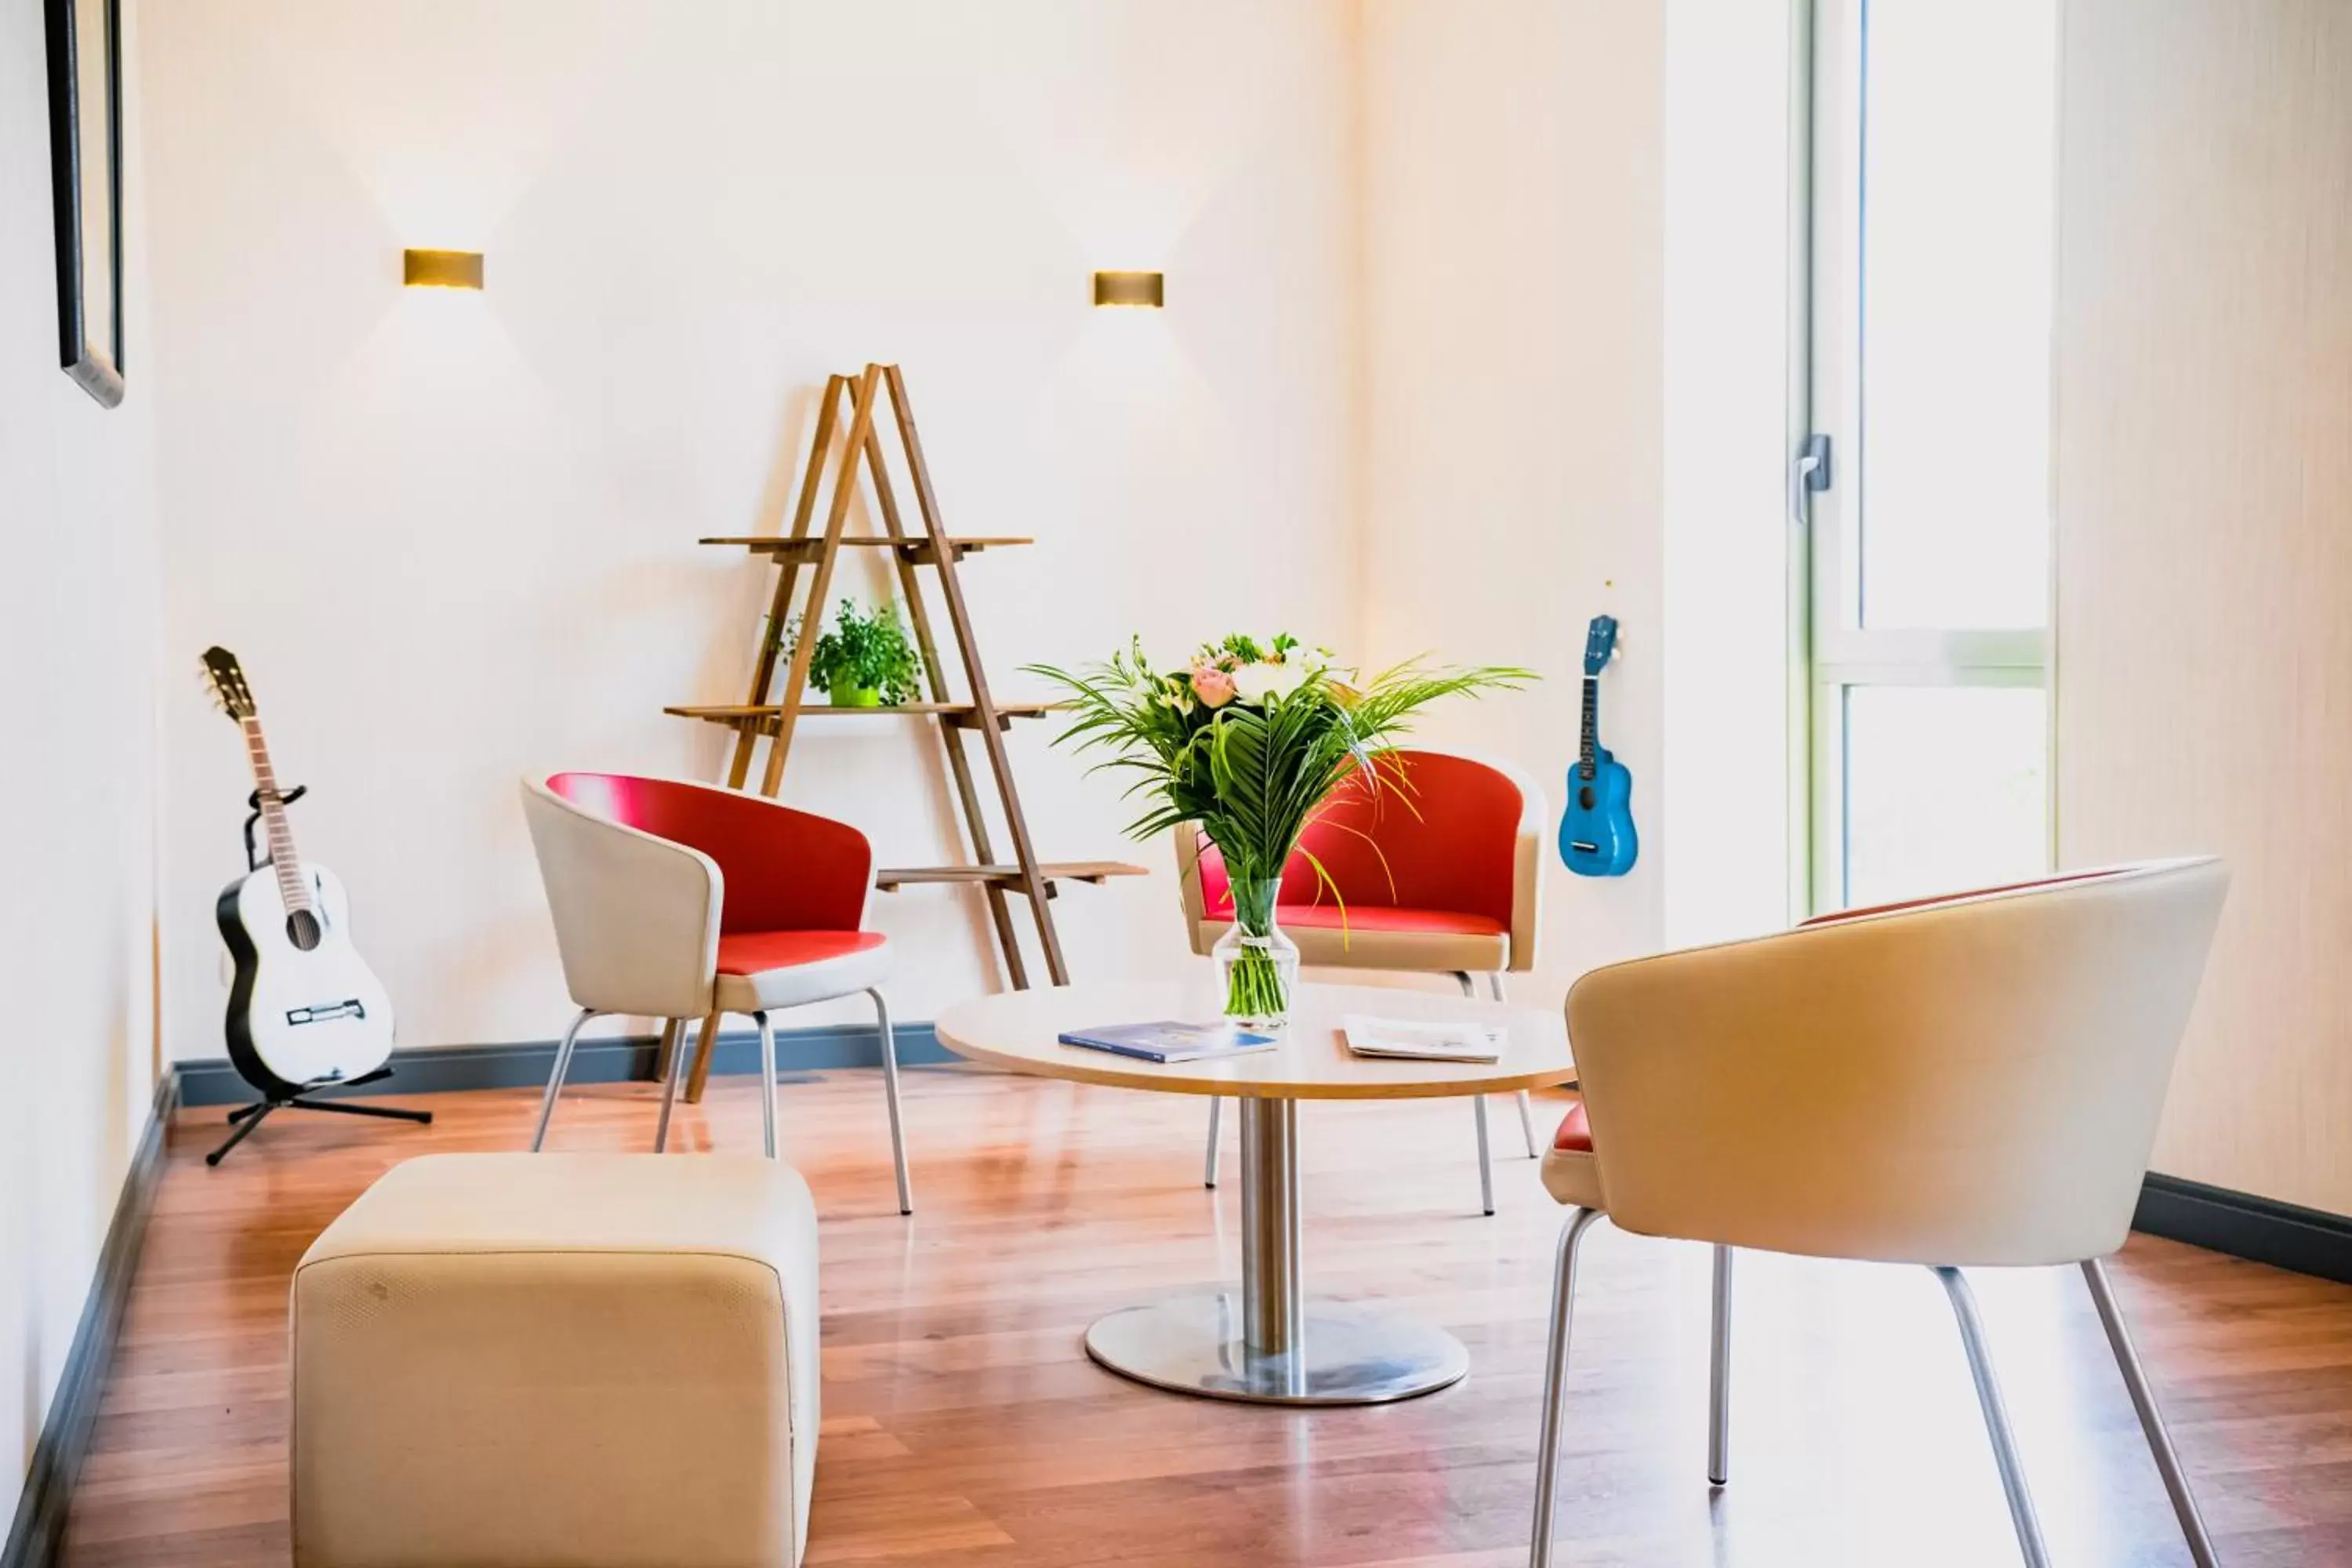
559	1361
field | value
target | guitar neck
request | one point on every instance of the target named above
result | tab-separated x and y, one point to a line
1588	759
291	887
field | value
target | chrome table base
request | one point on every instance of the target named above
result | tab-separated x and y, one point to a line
1263	1344
1341	1353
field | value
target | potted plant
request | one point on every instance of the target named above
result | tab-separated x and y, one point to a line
1248	740
865	661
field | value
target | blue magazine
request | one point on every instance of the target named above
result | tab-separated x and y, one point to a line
1169	1041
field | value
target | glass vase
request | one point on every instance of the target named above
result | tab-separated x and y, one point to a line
1258	962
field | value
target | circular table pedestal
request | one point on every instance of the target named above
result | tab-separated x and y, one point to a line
1347	1355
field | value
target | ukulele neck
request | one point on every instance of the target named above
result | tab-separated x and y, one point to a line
1588	752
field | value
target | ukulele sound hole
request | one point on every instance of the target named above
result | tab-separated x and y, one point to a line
1584	797
302	930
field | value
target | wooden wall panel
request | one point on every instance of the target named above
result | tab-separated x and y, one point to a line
2204	505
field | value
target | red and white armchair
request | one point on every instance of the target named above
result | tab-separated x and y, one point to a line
674	900
1439	874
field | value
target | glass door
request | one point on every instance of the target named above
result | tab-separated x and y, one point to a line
1934	157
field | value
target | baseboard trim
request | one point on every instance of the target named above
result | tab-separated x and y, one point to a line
2264	1230
36	1538
525	1064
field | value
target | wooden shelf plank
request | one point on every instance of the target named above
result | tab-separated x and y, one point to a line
763	717
916	547
1094	871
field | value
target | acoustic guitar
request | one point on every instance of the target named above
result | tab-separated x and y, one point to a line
304	1010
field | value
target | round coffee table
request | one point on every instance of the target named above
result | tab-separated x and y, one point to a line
1265	1343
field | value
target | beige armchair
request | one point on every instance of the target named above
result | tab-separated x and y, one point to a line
1957	1082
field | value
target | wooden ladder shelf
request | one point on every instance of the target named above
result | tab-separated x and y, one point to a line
774	716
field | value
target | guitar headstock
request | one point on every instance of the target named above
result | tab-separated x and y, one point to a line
1600	642
231	695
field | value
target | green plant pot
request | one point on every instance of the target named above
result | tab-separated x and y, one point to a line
856	697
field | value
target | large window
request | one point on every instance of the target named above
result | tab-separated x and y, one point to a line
1934	131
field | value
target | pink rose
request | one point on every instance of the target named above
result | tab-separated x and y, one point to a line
1213	686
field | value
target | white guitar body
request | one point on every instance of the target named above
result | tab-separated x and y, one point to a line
299	1015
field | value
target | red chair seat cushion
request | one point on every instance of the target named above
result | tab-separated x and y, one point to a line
756	952
1383	917
1575	1134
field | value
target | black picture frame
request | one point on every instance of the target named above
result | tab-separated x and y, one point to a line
88	220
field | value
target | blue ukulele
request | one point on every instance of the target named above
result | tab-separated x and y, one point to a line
1596	831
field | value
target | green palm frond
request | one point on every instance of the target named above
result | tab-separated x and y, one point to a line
1252	773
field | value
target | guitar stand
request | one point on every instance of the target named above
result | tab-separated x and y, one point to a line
245	1119
253	858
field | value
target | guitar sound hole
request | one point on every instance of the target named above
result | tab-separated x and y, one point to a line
302	930
1584	797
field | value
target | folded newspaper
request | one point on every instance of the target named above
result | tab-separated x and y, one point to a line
1423	1041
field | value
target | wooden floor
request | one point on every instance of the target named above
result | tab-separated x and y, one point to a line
964	1426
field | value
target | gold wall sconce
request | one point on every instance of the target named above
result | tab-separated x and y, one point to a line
1143	289
441	269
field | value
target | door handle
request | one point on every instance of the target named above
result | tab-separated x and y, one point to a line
1809	474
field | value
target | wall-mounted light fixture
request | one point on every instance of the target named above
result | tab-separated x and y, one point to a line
441	269
1146	288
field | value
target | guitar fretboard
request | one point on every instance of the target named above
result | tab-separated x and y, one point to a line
1587	761
282	858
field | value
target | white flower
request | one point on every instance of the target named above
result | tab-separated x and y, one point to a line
1258	682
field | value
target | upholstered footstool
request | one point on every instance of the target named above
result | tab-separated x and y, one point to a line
559	1361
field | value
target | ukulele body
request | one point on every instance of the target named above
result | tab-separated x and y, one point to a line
1596	831
299	1015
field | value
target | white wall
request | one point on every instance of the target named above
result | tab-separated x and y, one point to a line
452	536
79	607
1513	338
2204	541
1735	806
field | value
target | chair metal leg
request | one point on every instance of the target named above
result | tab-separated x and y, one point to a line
2151	1419
1478	1103
1996	1414
890	1089
1216	1146
673	1069
555	1076
1563	1305
1486	1160
767	1080
671	1031
1719	1376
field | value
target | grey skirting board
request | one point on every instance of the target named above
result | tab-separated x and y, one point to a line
524	1064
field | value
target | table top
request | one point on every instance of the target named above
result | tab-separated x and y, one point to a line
1018	1030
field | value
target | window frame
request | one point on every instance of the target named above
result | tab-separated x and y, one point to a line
1835	650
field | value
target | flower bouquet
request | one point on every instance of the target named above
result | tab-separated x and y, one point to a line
1248	741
